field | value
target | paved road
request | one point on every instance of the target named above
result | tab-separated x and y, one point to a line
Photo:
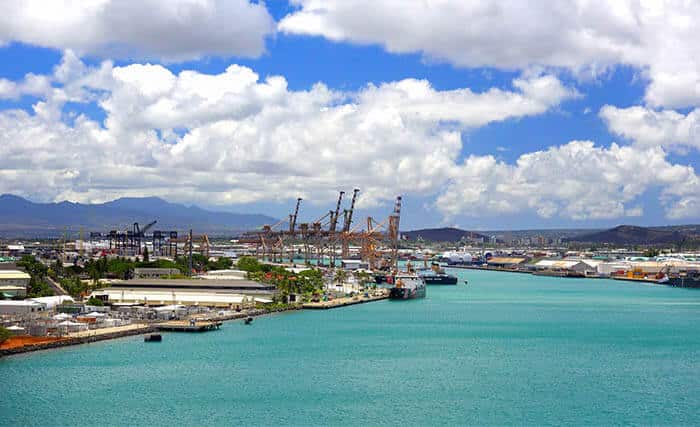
56	286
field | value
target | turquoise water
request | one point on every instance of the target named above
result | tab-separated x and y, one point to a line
506	349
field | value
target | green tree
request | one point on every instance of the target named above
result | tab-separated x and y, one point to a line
249	264
340	277
37	271
94	301
74	286
4	334
145	254
363	278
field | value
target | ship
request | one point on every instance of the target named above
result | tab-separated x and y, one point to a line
690	279
407	286
437	276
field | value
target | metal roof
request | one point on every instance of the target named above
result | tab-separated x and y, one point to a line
191	283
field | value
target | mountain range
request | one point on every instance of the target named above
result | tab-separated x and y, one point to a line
634	235
19	216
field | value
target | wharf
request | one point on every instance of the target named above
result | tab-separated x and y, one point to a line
186	326
343	302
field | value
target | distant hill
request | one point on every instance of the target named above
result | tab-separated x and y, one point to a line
446	234
634	235
19	216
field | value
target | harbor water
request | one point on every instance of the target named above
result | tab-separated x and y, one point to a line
504	349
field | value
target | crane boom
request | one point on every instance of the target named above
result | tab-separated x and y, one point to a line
348	213
148	227
293	217
334	216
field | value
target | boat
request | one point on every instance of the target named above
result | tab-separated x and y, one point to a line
407	286
690	279
437	276
153	338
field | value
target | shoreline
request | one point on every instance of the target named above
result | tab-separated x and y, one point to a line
145	328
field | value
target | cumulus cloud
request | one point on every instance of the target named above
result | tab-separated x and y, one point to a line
231	137
172	30
587	37
577	180
649	127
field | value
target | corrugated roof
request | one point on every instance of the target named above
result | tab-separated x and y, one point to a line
13	274
190	283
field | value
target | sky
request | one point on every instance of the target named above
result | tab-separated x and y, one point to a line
482	115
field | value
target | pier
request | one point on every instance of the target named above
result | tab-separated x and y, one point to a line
187	326
343	302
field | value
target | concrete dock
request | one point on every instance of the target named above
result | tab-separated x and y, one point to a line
343	302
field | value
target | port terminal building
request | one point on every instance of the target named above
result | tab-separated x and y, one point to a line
210	293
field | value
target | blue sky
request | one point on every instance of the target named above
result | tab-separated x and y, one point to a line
474	129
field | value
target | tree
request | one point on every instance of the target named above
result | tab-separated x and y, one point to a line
37	271
249	264
340	277
4	334
95	301
74	286
145	254
363	278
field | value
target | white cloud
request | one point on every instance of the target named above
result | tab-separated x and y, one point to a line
577	180
230	137
172	30
32	84
648	127
587	37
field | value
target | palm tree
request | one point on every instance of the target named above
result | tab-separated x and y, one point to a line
340	277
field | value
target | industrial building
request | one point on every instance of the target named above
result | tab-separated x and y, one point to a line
213	292
21	307
13	283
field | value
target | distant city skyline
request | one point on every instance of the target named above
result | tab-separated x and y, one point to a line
532	116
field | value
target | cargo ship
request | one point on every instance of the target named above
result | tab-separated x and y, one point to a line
690	279
406	286
437	276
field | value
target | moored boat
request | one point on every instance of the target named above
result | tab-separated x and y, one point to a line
407	286
437	276
153	338
690	279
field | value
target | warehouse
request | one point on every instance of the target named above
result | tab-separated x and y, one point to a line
21	307
13	283
213	292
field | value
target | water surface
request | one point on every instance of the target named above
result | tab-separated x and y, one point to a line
506	349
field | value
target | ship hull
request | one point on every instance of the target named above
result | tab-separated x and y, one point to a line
683	282
404	293
440	280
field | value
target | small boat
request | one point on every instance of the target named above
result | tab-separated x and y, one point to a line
153	338
248	320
